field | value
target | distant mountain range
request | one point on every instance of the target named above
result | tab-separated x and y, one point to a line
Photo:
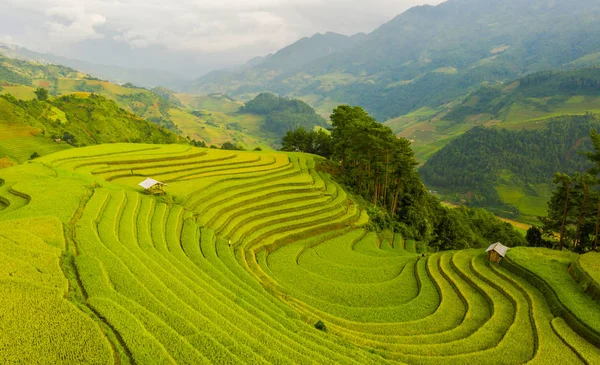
146	78
425	57
212	119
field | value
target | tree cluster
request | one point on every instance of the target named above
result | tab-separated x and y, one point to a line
483	157
283	114
574	208
315	142
380	168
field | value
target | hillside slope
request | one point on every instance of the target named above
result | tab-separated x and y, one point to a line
40	127
144	77
250	258
529	102
510	171
213	119
429	56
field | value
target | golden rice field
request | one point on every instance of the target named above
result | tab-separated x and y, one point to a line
240	260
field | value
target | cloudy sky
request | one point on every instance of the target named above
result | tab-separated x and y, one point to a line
163	33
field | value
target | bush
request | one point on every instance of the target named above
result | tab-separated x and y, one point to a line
320	325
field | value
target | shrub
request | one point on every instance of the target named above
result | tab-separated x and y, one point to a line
320	325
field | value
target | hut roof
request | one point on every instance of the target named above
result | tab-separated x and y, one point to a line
148	183
498	247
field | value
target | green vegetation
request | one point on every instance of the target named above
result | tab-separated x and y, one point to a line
534	98
380	168
160	106
43	127
591	264
41	94
251	257
574	208
551	267
283	114
531	102
509	171
316	142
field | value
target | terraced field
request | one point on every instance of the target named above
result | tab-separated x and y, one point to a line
19	141
240	260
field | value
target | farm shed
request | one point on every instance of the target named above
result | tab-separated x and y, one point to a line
153	186
496	252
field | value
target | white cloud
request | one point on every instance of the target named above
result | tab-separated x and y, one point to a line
6	39
209	26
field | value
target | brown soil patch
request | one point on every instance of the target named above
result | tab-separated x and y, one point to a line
6	162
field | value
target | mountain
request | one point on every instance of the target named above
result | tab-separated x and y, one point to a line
510	171
431	55
528	102
284	63
500	147
143	77
533	98
213	119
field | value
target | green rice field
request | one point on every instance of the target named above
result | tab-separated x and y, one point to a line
255	258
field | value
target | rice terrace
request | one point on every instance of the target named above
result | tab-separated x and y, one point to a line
241	259
192	182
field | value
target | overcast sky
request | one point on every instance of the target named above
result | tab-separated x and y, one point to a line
218	31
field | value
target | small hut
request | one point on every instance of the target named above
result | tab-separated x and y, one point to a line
496	252
153	187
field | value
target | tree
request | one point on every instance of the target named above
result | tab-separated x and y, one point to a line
535	237
299	140
231	146
41	93
34	156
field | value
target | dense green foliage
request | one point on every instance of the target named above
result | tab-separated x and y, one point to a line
574	208
482	158
84	121
315	142
283	114
535	238
41	93
381	167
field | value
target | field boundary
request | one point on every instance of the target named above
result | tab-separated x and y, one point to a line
585	280
556	306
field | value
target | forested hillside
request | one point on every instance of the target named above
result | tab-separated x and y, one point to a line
29	129
431	55
544	92
213	119
528	102
283	114
510	171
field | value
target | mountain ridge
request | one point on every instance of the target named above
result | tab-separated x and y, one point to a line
414	60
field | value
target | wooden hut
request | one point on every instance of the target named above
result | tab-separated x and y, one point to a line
496	252
153	187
